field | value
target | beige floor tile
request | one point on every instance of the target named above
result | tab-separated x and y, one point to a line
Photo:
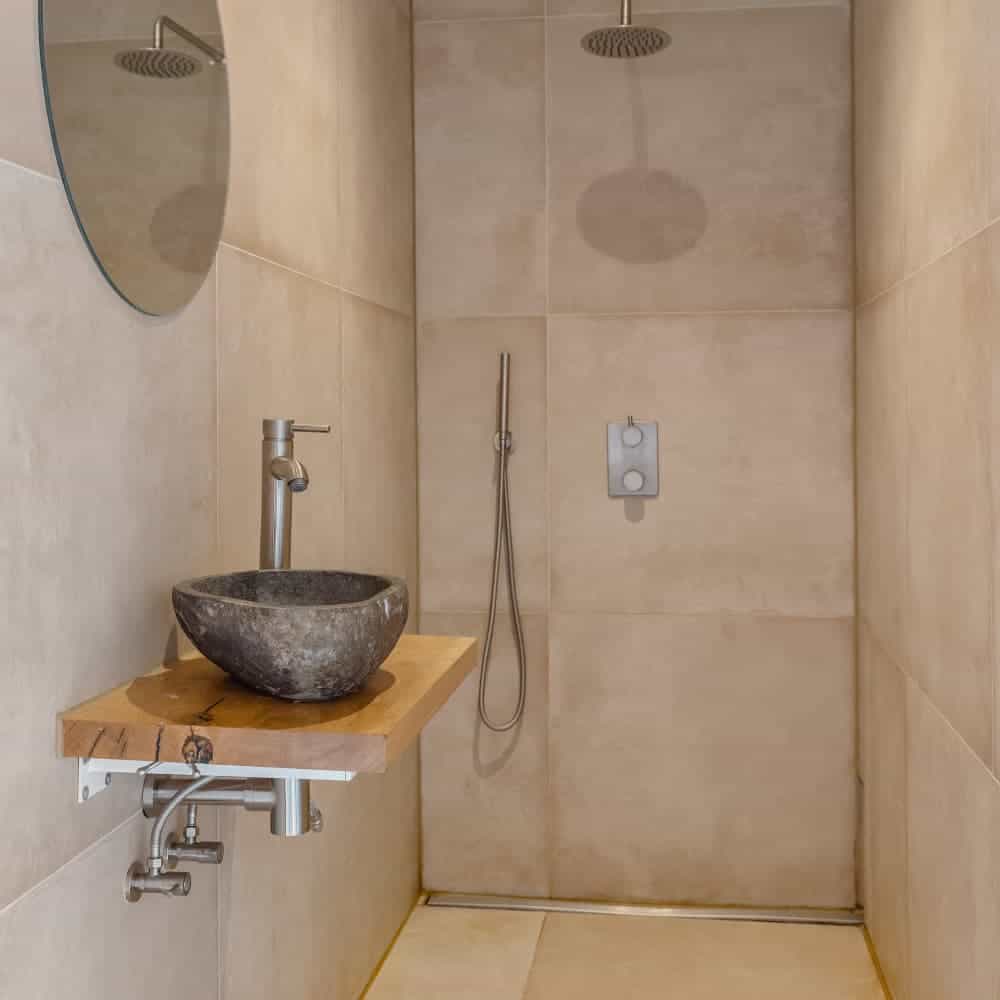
379	428
687	792
459	371
480	120
954	861
485	795
670	195
261	375
638	958
756	505
460	954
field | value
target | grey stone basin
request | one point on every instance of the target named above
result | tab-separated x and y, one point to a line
303	635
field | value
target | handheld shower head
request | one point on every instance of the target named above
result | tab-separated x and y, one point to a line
626	40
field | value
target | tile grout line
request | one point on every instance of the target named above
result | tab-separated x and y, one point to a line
534	955
319	281
911	276
910	679
31	171
549	830
90	849
649	314
734	8
583	612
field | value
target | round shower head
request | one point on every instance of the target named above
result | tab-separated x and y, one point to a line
626	41
160	64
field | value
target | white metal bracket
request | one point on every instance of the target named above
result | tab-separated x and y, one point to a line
94	774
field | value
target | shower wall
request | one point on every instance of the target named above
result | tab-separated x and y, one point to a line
132	449
928	170
670	239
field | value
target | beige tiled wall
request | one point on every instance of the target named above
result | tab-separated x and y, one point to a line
110	498
132	450
929	309
316	323
672	239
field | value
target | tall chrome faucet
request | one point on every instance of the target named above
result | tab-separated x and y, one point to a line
282	476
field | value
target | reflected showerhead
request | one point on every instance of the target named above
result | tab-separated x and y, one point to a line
160	64
627	41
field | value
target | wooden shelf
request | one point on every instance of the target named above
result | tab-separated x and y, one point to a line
194	707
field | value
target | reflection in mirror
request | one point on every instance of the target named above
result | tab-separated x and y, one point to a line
138	103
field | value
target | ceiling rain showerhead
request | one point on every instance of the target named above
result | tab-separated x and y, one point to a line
626	40
160	63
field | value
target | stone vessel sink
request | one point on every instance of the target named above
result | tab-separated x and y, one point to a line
302	635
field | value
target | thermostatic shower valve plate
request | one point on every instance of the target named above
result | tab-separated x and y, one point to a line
633	460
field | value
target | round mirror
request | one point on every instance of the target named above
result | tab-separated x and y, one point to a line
138	104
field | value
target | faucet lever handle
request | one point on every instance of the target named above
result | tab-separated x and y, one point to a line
310	428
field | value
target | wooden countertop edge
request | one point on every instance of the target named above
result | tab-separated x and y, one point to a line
304	748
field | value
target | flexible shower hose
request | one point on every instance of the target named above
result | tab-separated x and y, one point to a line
503	545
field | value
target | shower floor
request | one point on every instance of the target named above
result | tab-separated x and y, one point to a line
498	955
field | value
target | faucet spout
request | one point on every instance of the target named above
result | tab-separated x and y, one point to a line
282	476
291	471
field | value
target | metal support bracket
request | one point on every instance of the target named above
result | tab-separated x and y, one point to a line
94	774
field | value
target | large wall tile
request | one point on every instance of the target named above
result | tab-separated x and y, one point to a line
884	733
556	7
883	469
375	52
480	116
883	73
380	442
109	449
458	375
74	935
312	917
951	313
24	130
755	512
484	794
669	194
283	75
992	28
947	107
954	861
689	792
279	356
95	20
440	10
